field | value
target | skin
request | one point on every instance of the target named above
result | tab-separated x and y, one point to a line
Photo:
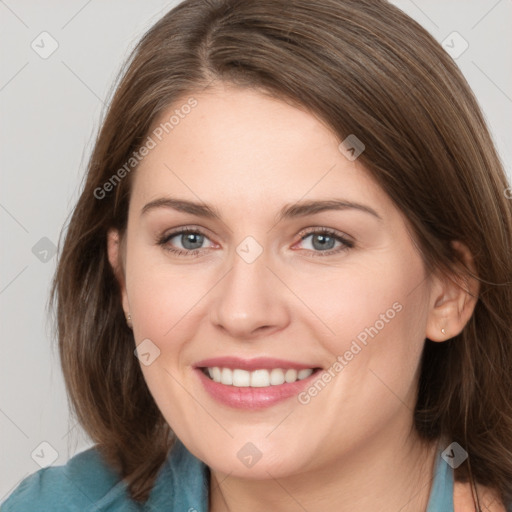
463	499
352	447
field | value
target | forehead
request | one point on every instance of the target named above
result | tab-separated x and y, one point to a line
229	122
240	143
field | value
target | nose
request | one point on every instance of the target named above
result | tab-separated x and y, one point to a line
250	300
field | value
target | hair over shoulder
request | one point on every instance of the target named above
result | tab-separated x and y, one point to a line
365	68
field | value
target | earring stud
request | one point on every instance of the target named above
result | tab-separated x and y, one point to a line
443	330
129	320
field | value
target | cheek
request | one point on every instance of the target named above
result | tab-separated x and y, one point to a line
164	299
374	314
161	294
378	317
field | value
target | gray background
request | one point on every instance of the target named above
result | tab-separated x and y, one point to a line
50	110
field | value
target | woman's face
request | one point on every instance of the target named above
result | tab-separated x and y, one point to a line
252	283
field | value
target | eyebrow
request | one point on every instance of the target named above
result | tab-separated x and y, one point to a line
289	211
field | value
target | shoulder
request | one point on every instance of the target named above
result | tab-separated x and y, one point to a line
82	484
463	498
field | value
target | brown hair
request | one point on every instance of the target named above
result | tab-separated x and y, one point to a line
365	68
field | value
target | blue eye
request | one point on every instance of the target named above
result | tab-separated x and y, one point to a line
192	239
323	242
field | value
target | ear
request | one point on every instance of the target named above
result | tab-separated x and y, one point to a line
452	300
115	249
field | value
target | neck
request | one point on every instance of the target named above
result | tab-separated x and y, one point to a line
385	476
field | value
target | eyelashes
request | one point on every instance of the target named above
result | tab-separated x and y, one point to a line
323	235
164	242
327	234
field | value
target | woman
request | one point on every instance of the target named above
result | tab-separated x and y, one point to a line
287	282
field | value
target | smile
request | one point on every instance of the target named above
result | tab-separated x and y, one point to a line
259	378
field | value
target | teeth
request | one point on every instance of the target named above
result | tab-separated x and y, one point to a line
277	377
260	378
290	375
257	378
241	378
226	376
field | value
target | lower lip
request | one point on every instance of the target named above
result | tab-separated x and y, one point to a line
253	398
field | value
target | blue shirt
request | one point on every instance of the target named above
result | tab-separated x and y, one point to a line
87	484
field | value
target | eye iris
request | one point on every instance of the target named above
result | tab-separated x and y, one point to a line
195	238
324	239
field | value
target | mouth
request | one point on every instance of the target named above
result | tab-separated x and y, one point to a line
254	384
260	372
258	378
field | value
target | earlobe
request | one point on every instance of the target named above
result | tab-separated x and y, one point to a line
453	299
115	257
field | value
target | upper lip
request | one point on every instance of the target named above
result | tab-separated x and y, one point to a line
257	363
